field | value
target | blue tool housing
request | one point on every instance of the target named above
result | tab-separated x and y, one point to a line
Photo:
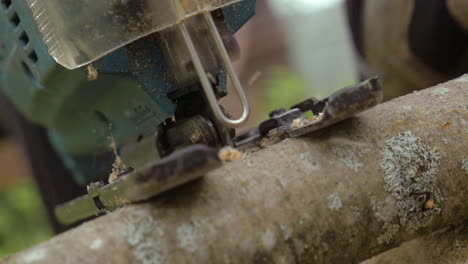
86	119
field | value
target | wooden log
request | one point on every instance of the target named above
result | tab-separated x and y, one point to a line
340	195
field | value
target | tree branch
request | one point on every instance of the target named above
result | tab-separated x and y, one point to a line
340	195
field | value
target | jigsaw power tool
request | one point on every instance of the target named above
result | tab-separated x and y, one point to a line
130	89
121	83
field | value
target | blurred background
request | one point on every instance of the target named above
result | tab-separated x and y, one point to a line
23	221
304	45
291	50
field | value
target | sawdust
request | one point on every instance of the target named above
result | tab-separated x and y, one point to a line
118	166
315	117
228	154
211	77
93	73
304	121
298	123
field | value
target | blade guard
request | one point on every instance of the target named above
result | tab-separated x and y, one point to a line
79	32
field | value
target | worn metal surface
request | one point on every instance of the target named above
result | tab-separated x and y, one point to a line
340	106
159	176
325	198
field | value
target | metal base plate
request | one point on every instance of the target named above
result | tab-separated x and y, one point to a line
162	175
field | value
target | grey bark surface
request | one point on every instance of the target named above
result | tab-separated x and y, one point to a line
341	195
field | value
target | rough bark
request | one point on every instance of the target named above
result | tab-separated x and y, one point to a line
336	196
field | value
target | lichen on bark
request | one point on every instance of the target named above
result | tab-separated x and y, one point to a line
410	171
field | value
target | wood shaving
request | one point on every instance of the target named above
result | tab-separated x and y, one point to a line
211	78
118	166
298	123
316	118
228	154
255	77
313	118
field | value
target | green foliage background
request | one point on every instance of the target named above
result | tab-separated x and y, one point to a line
284	89
23	222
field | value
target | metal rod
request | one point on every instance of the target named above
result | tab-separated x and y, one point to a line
205	82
